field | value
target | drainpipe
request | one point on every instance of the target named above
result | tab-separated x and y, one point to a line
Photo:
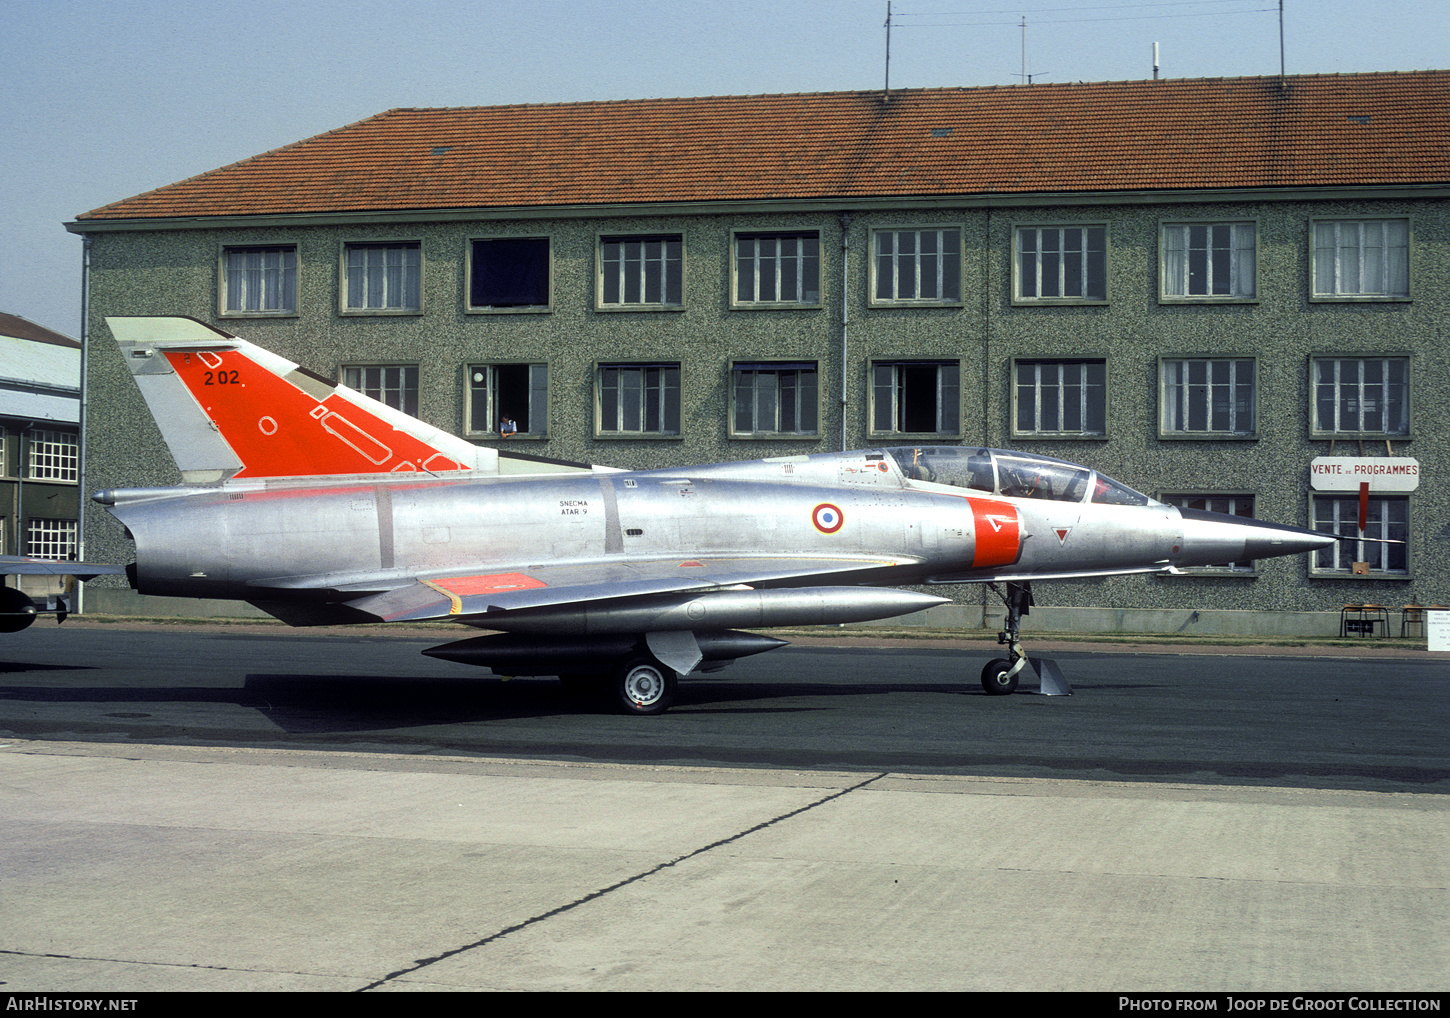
987	341
987	297
17	491
845	314
78	603
20	450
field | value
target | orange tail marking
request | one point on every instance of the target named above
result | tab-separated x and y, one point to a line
280	431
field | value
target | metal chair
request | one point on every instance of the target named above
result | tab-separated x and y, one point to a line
1412	615
1361	619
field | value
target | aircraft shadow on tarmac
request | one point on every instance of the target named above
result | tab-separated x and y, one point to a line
342	703
310	703
26	666
347	705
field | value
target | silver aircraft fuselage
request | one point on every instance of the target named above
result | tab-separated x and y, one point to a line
252	540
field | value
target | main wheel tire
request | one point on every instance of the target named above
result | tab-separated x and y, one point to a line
995	678
644	686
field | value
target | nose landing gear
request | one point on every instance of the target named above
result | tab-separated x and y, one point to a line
999	677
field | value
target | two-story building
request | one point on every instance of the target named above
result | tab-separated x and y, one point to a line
1215	290
40	403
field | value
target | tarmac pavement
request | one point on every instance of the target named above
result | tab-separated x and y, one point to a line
134	867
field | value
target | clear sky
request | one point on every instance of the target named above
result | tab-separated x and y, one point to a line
103	99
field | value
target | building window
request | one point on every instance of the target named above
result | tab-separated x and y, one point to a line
1203	397
777	268
51	539
1062	263
917	266
259	281
916	398
1232	505
54	456
516	392
393	384
1361	395
509	273
775	399
641	271
1362	258
1210	260
639	399
384	277
1060	398
1387	519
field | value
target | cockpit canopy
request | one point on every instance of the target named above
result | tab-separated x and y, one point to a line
1015	474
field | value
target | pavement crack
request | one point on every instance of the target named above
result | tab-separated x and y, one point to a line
142	962
423	963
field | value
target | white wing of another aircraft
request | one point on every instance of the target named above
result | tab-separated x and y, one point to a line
19	609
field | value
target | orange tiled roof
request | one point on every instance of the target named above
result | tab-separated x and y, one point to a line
1314	130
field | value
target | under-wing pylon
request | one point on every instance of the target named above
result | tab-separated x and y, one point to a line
323	506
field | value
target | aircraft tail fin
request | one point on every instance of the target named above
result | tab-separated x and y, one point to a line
228	408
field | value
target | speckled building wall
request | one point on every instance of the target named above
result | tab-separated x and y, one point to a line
984	332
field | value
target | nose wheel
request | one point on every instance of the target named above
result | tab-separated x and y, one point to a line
999	677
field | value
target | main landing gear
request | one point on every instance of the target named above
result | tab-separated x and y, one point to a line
644	686
639	685
1000	675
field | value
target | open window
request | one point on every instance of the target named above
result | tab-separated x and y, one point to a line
912	397
509	274
508	400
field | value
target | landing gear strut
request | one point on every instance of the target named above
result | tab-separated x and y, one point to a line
1000	676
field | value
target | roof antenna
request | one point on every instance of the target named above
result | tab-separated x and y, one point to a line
886	97
1026	78
1281	44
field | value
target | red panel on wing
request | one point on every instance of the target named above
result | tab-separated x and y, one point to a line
998	533
466	586
278	430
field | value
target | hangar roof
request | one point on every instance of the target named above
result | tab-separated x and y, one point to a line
1261	132
16	327
40	372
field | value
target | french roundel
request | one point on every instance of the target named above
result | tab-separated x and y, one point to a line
827	518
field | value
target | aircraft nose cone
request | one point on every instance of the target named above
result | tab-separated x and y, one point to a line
1266	540
1216	538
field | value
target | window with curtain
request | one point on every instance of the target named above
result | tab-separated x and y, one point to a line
384	277
1362	258
1209	260
259	280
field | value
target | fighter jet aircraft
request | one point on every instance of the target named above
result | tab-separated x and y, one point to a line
322	506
